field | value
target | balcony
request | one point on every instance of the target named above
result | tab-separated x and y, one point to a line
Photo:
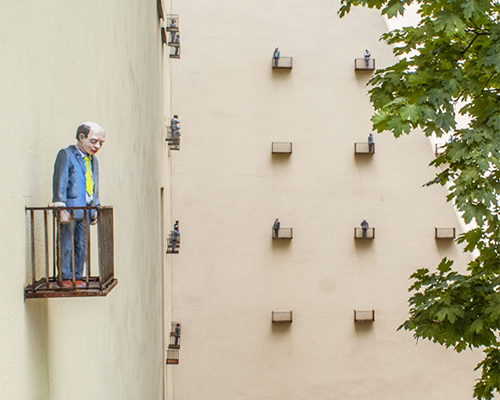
174	39
364	148
361	64
172	356
175	339
282	317
360	233
283	233
439	149
282	63
173	243
444	233
172	22
46	254
175	52
364	316
173	139
282	147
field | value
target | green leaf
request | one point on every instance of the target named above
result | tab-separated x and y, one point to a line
411	112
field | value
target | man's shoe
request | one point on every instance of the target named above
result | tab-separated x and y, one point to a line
80	284
67	284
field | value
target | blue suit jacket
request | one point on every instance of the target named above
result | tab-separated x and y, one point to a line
69	183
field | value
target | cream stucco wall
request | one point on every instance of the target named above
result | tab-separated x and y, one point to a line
62	63
229	188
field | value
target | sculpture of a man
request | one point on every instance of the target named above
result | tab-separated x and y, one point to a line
76	184
365	226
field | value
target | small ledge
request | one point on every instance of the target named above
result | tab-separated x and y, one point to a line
172	22
282	317
282	147
282	63
364	316
362	64
360	233
364	148
444	233
172	356
283	233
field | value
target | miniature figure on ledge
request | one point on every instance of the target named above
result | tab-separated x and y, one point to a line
276	56
276	227
367	58
175	127
177	334
370	142
173	246
364	226
176	41
75	183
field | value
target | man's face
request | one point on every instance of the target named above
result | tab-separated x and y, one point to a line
92	143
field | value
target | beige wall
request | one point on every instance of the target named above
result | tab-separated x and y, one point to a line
62	63
228	189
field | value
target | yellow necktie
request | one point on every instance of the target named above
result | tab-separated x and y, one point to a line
88	176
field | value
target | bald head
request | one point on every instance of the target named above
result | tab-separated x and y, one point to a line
90	136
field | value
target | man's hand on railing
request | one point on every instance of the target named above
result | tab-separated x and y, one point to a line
64	217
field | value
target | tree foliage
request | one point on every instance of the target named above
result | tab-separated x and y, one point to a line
449	64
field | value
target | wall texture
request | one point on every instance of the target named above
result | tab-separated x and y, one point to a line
229	188
62	63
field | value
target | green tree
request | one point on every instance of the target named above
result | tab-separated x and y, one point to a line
450	64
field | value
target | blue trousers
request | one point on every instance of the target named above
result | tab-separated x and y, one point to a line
79	244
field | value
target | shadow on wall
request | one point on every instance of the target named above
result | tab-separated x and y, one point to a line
281	328
280	160
362	78
363	161
37	349
363	328
363	245
447	248
281	244
280	74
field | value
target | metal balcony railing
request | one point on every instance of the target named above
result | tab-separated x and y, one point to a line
360	233
172	22
173	243
46	254
363	64
364	316
175	339
283	233
444	233
172	356
282	147
175	52
282	62
173	139
439	148
282	316
364	148
173	39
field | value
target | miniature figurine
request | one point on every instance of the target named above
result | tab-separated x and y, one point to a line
370	142
276	227
175	236
76	184
175	126
367	58
276	56
364	226
177	334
